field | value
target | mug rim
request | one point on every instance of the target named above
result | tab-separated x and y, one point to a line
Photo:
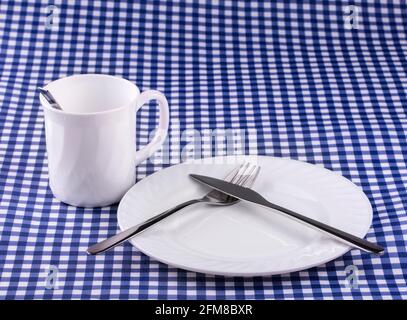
112	110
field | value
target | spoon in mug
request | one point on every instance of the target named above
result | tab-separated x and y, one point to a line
50	98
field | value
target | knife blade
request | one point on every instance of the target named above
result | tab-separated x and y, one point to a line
252	196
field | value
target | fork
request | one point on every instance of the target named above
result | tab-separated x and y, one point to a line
243	175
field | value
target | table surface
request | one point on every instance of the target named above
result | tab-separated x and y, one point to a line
292	75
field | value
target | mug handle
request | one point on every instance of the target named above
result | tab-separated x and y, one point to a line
162	129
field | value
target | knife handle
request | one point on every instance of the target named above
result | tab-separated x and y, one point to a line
342	235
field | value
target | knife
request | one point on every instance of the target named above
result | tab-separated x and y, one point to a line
252	196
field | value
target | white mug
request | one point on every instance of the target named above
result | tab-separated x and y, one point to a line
91	143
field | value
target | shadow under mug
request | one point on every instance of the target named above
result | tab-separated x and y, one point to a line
91	143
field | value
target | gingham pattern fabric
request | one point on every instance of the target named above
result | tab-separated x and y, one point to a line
292	74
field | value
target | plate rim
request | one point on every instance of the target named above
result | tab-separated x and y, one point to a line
322	262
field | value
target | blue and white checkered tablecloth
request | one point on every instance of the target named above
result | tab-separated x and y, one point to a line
316	81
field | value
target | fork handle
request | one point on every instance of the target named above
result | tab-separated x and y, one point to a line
125	235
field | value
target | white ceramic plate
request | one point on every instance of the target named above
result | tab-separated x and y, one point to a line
244	239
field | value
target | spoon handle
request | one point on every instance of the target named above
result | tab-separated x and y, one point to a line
50	98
